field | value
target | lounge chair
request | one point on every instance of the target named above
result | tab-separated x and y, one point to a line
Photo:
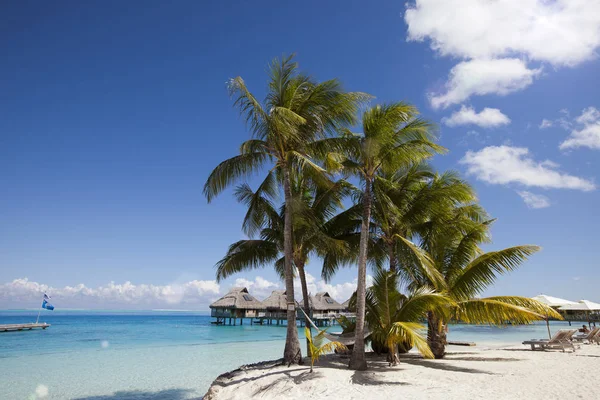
587	337
596	338
560	340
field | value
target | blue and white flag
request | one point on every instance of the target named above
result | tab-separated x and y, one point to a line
45	303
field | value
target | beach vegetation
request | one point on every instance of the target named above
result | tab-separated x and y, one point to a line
320	346
392	137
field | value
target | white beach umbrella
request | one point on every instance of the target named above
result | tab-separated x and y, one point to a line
551	302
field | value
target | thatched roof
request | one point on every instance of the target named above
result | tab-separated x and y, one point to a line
238	298
346	304
276	301
323	301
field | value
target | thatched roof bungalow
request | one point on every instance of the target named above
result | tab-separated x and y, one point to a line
276	301
323	304
346	305
238	303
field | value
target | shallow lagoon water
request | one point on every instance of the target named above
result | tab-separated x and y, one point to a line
155	355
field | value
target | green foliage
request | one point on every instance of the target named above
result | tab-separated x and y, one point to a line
319	346
394	318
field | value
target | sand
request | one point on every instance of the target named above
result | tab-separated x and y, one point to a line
507	373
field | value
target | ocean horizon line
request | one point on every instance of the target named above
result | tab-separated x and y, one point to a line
58	310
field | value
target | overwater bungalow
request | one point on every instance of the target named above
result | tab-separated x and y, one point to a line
275	307
323	308
238	303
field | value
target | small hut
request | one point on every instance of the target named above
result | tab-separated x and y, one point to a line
238	303
323	305
275	306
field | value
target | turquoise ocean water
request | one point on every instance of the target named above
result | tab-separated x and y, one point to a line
154	355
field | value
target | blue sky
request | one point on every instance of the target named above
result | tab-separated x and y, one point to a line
112	116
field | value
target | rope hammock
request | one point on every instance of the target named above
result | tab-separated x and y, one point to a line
347	339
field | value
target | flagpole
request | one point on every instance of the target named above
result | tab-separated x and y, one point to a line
39	312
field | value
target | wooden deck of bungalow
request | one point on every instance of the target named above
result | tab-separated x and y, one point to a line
23	327
275	318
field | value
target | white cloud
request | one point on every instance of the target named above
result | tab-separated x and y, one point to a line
587	134
534	200
481	77
492	34
195	294
560	32
23	291
340	291
487	118
546	123
259	287
506	164
588	116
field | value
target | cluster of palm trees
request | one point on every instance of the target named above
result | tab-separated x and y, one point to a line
362	198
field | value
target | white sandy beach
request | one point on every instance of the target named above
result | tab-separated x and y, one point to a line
507	373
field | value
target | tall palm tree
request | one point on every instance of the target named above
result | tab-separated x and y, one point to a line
296	112
313	205
392	137
450	244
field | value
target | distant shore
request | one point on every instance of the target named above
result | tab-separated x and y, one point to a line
467	373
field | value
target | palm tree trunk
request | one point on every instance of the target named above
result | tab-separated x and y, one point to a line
292	354
302	273
436	335
393	256
357	360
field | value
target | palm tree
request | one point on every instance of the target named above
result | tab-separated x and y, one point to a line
392	137
402	200
296	112
394	318
318	346
450	244
313	206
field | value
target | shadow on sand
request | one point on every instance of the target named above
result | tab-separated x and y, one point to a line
442	365
167	394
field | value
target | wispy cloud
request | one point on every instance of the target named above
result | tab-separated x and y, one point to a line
506	164
587	131
486	118
546	123
534	200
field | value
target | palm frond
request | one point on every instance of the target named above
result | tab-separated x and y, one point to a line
231	170
246	255
425	262
494	312
410	333
248	105
529	304
483	271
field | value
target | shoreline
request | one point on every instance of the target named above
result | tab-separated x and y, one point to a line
507	372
